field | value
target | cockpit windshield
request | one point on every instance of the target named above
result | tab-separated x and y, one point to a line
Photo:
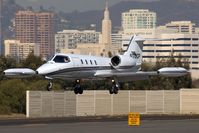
50	58
61	59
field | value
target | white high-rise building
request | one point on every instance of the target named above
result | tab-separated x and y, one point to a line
182	26
180	39
139	21
69	39
116	39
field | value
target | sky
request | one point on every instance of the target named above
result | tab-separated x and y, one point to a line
71	5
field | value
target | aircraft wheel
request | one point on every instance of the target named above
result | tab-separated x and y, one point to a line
49	86
115	91
111	90
81	90
76	90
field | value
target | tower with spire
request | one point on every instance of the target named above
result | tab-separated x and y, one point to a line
106	27
105	46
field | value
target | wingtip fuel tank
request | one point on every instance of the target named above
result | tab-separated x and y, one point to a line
172	71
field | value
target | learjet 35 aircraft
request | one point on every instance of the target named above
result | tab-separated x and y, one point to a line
119	68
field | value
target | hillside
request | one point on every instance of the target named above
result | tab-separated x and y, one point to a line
167	10
8	11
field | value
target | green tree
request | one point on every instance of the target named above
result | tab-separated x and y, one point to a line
161	82
13	94
173	82
110	54
5	63
32	61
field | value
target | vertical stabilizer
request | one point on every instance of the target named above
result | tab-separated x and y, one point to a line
135	48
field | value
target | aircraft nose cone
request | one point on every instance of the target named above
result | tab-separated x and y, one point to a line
39	71
42	70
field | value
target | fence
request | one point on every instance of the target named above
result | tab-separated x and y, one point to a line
91	103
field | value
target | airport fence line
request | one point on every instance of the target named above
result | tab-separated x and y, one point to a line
101	103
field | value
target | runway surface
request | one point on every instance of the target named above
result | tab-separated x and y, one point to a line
95	126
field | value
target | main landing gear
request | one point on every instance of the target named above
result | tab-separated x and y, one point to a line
115	87
78	88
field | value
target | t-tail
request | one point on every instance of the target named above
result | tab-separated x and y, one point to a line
132	58
135	48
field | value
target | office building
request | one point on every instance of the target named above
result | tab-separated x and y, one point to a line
139	21
20	51
182	26
116	39
183	42
69	39
36	27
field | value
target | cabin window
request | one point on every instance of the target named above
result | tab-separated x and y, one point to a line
91	62
86	61
61	59
82	62
95	62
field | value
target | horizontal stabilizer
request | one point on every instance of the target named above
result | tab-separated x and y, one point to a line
19	72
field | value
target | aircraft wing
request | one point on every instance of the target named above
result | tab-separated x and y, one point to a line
125	76
139	75
106	74
19	72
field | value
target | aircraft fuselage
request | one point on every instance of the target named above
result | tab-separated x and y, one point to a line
77	67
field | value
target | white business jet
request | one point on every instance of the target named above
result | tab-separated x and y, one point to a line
119	68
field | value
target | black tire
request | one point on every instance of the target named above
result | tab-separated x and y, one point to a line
111	90
81	90
65	88
115	91
49	86
76	91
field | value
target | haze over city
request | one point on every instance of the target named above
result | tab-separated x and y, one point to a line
68	5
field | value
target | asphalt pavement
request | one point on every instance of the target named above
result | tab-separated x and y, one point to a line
100	125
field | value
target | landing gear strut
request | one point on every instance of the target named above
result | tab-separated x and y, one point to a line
49	86
78	88
115	87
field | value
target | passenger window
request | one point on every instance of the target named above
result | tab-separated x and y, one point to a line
86	61
95	62
82	61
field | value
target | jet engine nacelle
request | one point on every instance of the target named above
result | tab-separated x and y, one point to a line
122	62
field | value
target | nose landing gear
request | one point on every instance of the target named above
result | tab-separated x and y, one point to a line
49	86
78	88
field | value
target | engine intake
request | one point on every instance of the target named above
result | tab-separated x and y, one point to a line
115	60
122	62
